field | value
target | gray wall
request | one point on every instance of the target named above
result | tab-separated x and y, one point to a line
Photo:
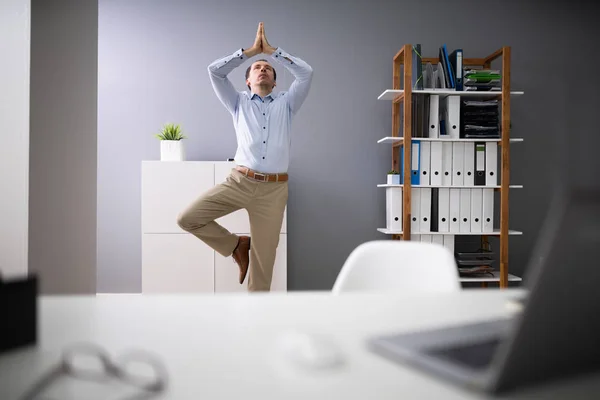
63	151
152	69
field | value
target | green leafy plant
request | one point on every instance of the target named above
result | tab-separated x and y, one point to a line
170	132
393	172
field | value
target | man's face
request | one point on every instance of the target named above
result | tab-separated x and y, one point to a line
262	74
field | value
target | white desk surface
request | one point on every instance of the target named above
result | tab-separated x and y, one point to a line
224	346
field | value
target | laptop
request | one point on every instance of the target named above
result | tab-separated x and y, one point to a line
555	336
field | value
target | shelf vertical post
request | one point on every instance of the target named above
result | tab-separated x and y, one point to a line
395	113
396	118
406	192
505	177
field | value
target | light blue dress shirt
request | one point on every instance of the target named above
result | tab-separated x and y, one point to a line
262	125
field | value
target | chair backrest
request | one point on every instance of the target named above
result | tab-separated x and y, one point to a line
400	266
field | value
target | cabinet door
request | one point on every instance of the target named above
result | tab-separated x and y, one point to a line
227	271
167	188
237	222
176	263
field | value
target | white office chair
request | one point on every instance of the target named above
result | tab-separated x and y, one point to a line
399	266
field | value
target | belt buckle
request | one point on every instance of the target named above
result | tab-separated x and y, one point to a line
256	174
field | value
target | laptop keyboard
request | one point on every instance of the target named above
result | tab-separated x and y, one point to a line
475	355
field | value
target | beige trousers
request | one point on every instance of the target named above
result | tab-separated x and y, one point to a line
265	203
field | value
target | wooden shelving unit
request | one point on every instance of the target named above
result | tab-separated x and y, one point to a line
401	95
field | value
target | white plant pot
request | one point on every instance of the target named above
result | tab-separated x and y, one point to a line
172	150
393	179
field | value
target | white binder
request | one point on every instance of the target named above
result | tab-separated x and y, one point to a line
491	163
465	210
488	210
447	164
476	210
434	116
393	203
415	238
435	169
425	210
452	109
426	238
437	239
425	163
415	206
454	226
444	210
449	242
469	167
458	163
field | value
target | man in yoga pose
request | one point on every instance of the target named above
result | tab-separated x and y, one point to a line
259	181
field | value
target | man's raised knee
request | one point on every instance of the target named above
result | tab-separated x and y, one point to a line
183	220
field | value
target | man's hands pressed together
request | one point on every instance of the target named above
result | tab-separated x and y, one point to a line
261	45
266	47
257	46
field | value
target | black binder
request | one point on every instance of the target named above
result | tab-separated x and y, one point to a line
18	312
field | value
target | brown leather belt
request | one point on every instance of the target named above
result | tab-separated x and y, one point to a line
259	176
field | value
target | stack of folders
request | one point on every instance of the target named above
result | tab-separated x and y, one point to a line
482	80
449	73
479	119
439	116
453	117
446	74
452	191
475	263
448	210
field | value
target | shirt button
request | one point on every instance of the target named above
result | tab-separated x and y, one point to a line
264	127
263	158
263	113
264	141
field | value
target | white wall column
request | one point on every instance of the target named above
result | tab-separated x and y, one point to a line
15	17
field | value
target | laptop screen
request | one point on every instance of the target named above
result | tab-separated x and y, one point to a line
558	332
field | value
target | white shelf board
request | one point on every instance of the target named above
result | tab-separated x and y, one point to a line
489	278
392	139
391	94
453	187
495	232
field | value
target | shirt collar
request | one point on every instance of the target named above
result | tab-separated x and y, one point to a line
271	95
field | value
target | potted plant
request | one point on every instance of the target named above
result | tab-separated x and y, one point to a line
393	178
171	144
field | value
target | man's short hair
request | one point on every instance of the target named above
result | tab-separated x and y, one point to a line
248	71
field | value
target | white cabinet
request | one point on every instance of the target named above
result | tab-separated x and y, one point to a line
167	188
176	261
